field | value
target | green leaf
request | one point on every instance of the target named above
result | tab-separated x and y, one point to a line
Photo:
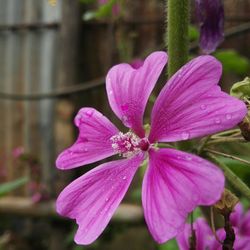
170	245
193	33
12	185
233	62
241	89
104	10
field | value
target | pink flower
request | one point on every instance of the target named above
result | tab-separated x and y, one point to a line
205	238
190	105
17	152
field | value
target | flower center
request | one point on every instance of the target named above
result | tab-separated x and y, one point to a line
128	144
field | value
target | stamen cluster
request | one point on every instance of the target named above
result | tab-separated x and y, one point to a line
126	145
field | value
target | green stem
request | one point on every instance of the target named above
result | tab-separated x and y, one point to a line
226	139
177	34
227	155
231	177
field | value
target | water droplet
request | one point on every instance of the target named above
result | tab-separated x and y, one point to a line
89	113
228	116
203	107
178	157
188	157
111	92
124	177
125	120
199	159
107	199
124	107
217	121
184	135
78	120
85	150
108	80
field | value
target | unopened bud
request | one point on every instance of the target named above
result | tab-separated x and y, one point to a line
245	127
227	202
241	90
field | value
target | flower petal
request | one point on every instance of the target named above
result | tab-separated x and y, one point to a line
245	226
93	143
211	18
203	235
174	184
128	89
93	198
237	215
192	105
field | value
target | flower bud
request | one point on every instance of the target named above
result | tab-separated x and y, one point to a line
227	202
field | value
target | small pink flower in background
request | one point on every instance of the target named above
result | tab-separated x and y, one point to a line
190	105
205	238
17	152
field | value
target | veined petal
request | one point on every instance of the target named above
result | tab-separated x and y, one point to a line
237	215
128	89
93	142
240	243
192	105
245	226
174	184
93	198
211	18
203	235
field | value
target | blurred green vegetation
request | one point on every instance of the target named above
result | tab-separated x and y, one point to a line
7	187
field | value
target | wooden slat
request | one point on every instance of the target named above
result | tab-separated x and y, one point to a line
25	207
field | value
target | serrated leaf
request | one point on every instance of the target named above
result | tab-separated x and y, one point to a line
12	185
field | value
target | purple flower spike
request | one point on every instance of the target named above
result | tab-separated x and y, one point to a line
189	106
211	17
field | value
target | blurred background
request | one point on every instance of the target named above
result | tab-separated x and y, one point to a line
53	59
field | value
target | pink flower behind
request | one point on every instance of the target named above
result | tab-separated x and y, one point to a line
205	238
190	105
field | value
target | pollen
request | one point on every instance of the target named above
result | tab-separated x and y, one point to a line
128	144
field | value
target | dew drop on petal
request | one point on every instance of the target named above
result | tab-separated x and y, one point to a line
217	121
124	177
78	120
89	113
111	92
126	121
185	135
188	157
107	199
203	106
199	159
228	116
